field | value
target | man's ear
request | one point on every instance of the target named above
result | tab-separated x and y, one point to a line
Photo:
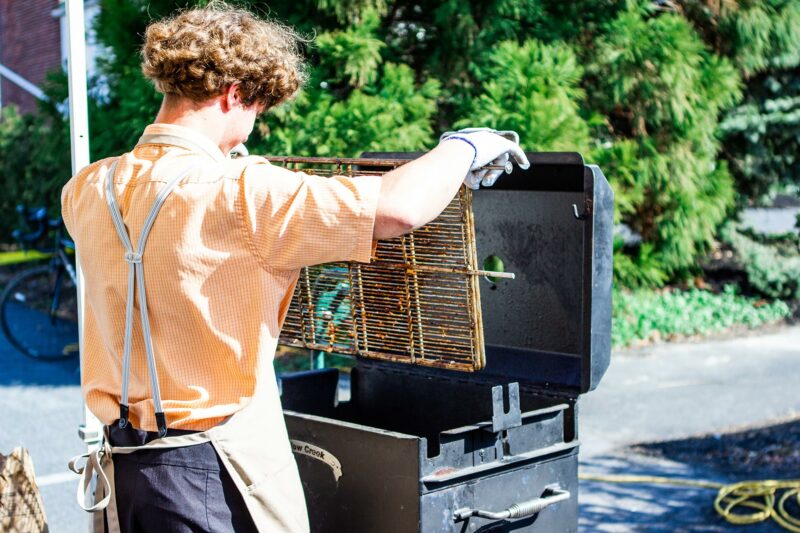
232	98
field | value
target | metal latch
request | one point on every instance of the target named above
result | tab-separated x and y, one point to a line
516	510
501	419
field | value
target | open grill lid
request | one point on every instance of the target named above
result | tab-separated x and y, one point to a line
552	226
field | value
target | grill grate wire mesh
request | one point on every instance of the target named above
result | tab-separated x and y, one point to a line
416	302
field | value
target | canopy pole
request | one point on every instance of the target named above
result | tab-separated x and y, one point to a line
79	141
76	69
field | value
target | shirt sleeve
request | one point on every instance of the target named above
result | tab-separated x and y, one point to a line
296	219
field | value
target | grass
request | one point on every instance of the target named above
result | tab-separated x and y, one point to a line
645	316
21	256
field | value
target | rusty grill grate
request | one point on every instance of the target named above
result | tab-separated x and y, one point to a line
418	300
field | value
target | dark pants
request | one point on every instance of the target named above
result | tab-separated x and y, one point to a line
178	490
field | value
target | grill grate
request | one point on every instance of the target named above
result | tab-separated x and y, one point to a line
418	300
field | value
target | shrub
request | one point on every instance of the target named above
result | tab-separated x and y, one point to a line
773	271
34	162
647	315
662	90
533	89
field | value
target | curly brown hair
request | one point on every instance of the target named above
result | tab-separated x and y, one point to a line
200	52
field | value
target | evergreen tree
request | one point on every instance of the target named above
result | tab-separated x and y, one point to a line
638	86
761	136
662	90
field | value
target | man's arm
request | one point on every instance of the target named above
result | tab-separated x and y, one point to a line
417	192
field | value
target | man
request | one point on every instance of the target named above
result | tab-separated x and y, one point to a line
190	259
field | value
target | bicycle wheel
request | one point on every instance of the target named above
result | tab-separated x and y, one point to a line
39	313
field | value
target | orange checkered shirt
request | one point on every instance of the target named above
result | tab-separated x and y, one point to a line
220	267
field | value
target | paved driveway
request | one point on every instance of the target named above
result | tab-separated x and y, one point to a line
40	408
674	391
667	392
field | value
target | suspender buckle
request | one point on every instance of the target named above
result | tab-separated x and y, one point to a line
133	257
123	416
161	420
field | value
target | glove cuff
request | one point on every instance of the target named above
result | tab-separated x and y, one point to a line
466	140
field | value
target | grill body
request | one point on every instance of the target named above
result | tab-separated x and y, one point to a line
407	468
414	445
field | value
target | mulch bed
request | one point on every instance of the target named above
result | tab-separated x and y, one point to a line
771	452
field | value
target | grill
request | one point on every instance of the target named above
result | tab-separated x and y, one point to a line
418	447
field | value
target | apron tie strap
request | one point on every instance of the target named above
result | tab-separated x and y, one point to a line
208	148
96	462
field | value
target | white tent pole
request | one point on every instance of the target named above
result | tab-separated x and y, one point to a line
79	137
76	69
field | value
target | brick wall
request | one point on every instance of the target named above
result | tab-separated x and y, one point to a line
30	45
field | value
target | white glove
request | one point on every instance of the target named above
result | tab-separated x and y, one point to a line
490	148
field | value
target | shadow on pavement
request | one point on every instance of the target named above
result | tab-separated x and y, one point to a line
632	507
18	369
635	507
769	452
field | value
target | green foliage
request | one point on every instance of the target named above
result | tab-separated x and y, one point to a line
395	115
762	137
662	91
638	87
352	10
638	270
772	270
34	158
645	315
534	90
356	48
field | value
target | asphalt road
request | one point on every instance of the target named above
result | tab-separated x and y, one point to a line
667	392
40	409
674	391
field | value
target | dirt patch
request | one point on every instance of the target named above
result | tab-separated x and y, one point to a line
770	452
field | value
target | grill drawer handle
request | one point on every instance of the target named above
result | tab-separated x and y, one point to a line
517	510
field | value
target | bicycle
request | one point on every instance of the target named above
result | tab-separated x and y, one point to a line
39	307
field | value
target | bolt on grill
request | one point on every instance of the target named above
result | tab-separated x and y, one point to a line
416	302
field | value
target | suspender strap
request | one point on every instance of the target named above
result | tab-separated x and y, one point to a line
136	279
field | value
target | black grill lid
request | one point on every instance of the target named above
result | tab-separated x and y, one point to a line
552	226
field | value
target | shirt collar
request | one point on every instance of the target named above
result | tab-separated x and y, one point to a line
183	137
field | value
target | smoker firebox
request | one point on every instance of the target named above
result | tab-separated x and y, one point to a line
425	449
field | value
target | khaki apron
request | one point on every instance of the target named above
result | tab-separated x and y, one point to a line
266	475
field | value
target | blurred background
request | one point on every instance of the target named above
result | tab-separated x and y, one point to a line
692	109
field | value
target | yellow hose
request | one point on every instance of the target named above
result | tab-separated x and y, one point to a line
767	497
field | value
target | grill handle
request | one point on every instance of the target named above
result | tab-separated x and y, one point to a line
516	510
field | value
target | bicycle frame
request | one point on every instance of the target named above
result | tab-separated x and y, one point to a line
63	264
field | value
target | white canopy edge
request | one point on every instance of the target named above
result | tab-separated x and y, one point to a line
79	141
